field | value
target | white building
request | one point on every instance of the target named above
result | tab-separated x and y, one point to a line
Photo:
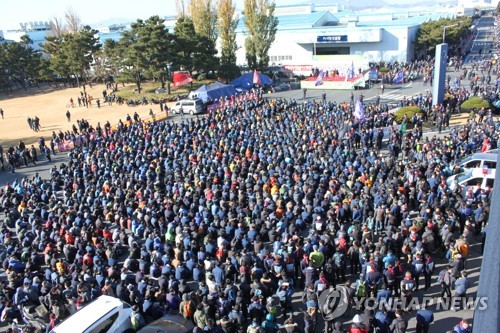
312	35
36	30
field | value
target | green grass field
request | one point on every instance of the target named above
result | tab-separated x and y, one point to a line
148	90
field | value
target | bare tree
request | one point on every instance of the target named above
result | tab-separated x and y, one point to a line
73	21
57	27
180	5
204	16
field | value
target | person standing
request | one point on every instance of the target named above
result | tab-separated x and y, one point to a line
1	158
429	270
399	324
47	153
181	111
323	95
461	285
407	288
68	116
445	278
462	327
1	113
358	326
424	319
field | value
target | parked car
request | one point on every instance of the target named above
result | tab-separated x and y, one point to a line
482	177
105	314
169	323
480	160
191	106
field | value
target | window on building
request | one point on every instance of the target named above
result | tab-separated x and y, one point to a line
332	50
280	58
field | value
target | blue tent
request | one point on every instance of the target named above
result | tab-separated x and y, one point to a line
245	82
213	91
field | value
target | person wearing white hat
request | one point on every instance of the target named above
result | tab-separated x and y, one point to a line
358	326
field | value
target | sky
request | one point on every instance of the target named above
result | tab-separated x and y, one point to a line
13	12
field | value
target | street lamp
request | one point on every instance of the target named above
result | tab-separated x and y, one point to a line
444	30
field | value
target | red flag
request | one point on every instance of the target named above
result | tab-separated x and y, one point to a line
256	77
181	79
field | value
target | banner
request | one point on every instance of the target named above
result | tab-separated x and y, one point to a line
299	69
65	145
181	79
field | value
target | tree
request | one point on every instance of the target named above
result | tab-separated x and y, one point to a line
53	46
109	62
56	26
133	58
431	33
192	51
72	53
19	63
204	18
227	23
156	39
144	51
73	21
180	6
261	28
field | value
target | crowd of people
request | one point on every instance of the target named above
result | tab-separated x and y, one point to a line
225	218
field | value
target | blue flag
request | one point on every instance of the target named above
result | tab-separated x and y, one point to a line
399	78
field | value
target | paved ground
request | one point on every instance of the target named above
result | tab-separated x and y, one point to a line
50	106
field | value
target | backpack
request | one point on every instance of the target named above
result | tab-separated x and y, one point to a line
137	321
464	250
408	285
361	289
188	309
339	258
441	276
419	267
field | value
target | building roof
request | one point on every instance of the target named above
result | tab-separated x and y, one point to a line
326	19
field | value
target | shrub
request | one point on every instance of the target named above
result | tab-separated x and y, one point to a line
475	103
383	70
409	111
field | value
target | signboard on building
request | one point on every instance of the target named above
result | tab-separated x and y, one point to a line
332	39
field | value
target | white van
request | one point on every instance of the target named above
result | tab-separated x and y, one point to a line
472	177
480	160
191	106
105	314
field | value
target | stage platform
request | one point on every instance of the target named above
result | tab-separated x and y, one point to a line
333	83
